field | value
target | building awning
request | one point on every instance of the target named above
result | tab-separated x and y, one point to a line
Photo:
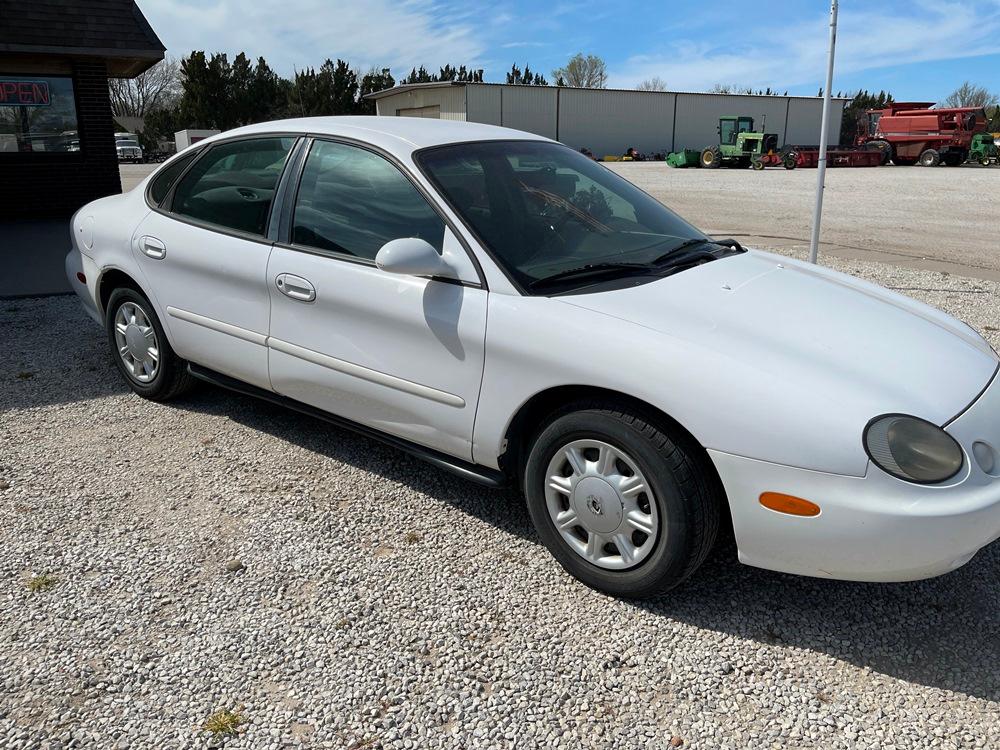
113	30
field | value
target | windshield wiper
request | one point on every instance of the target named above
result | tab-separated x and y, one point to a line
592	269
676	255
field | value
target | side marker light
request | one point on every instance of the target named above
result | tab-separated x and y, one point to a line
793	506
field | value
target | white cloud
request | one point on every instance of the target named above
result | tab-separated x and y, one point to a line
299	33
795	54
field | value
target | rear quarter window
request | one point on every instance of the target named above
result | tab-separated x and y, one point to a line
167	176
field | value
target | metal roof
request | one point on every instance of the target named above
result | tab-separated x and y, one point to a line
402	88
114	30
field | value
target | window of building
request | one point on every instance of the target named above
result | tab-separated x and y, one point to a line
352	201
233	185
38	114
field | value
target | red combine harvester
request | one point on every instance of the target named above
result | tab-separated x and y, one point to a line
912	133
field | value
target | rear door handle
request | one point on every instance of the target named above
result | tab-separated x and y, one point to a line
152	247
295	287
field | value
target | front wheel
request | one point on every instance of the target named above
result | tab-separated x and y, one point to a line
621	503
140	350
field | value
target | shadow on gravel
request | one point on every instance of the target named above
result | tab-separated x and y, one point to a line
942	633
501	508
52	353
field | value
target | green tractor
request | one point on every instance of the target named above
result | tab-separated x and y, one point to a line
983	150
740	146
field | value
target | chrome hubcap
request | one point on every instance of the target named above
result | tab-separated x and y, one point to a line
137	344
601	504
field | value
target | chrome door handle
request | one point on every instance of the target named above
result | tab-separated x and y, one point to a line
295	287
153	247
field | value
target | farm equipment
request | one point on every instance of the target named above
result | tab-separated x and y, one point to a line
983	149
913	133
837	157
741	146
686	158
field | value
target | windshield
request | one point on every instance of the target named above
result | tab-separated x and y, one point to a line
543	209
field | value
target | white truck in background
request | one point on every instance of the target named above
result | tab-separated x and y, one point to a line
127	146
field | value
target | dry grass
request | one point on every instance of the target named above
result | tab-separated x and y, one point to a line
223	722
43	582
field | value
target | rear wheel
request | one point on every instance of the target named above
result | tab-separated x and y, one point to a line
757	165
622	504
140	350
929	158
711	158
789	161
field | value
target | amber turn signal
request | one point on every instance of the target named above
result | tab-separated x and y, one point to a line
790	504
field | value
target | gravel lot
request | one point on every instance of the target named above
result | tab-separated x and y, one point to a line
937	219
221	553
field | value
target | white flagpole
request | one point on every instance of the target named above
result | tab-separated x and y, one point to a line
823	138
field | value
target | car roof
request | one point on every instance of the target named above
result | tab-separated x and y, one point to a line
396	134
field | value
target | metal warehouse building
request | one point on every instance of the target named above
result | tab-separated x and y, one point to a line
607	121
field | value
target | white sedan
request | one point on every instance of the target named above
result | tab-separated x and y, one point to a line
504	307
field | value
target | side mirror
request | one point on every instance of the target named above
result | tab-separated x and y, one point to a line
414	257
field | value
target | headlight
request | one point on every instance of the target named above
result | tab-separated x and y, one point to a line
912	449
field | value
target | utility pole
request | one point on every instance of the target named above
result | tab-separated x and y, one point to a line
823	137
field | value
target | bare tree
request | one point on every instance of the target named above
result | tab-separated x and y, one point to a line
156	88
588	72
970	95
652	84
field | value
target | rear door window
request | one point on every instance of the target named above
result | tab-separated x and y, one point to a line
233	185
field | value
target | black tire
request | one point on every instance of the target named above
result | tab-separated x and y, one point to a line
711	158
686	494
929	158
882	146
757	165
789	161
171	378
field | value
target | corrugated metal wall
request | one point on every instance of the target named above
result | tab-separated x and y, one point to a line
451	99
804	118
609	121
483	104
530	108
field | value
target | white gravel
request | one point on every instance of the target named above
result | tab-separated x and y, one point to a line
218	552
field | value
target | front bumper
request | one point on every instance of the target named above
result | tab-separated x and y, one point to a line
871	528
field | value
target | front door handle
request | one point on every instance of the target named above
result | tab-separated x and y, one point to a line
153	247
295	287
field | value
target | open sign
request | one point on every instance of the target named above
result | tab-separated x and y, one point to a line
24	93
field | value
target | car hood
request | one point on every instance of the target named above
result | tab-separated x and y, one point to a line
817	338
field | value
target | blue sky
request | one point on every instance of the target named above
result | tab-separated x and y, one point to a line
916	49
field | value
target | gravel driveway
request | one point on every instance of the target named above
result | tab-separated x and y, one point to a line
221	553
